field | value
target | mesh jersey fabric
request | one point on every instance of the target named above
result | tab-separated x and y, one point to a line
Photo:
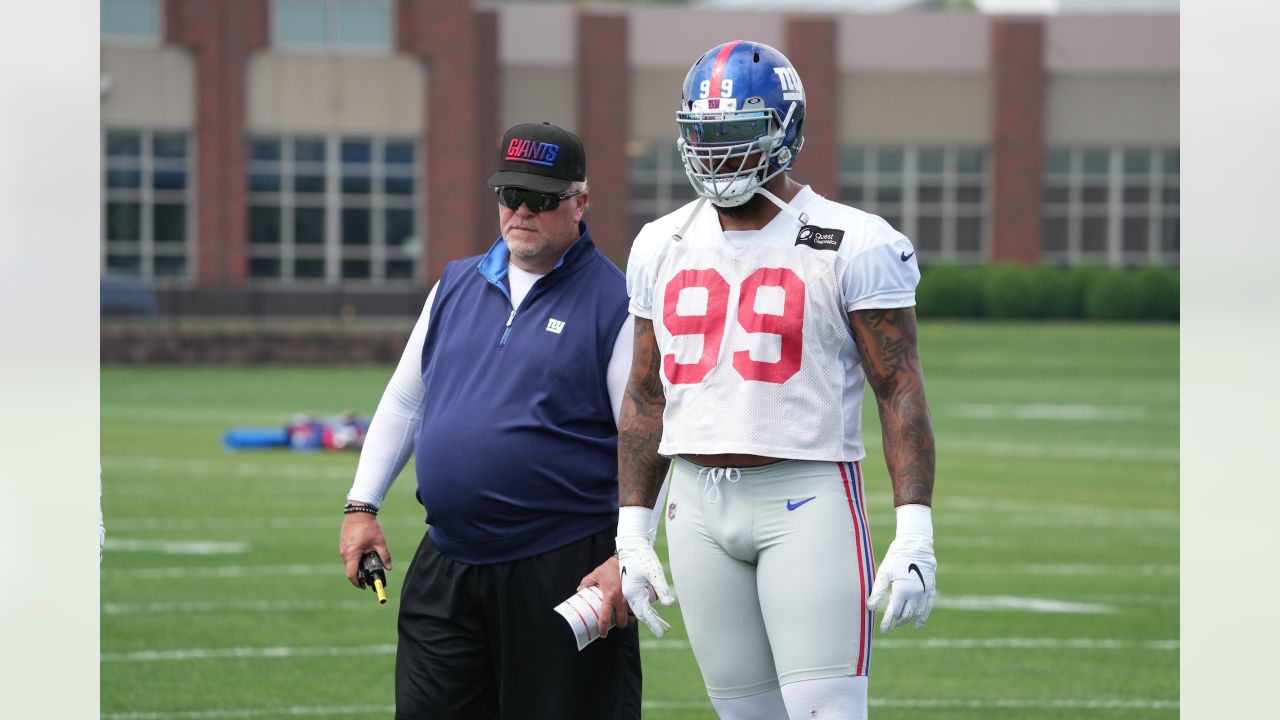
757	353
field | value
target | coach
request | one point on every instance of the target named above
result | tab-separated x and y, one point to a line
508	394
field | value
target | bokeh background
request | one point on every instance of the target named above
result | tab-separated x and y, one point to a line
326	158
282	180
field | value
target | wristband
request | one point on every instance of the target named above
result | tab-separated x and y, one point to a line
915	520
633	521
347	510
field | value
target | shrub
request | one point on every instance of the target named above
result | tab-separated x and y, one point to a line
1008	292
1051	292
1157	292
1079	280
1113	295
948	291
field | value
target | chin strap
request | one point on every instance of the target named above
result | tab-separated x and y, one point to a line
689	220
801	217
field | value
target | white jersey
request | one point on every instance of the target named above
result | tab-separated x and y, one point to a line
757	353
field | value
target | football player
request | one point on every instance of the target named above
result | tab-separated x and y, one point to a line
761	310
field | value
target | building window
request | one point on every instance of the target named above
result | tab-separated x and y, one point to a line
147	226
333	209
131	21
1113	205
935	195
359	25
658	182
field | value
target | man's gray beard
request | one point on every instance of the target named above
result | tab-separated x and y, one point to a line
746	209
525	251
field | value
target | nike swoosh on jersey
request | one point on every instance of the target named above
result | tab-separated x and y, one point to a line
907	256
793	506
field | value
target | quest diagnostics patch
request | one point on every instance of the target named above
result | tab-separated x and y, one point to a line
819	238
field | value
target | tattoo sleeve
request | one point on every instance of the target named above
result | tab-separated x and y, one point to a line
887	341
640	467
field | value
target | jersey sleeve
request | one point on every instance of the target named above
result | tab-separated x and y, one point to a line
883	273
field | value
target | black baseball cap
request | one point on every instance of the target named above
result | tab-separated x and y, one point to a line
541	157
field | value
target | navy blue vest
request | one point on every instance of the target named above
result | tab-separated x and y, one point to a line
517	451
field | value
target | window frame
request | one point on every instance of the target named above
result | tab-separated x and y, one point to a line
147	197
333	252
950	210
1074	211
665	175
153	40
330	44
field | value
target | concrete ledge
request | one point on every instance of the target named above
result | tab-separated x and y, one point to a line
229	341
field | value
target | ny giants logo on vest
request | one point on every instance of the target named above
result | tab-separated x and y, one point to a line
531	151
819	238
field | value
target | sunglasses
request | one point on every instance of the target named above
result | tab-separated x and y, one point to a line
537	202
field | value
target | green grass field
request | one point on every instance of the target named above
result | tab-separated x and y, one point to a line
1056	516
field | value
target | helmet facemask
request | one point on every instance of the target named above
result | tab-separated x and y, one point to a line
730	153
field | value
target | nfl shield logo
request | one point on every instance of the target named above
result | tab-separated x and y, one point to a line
671	511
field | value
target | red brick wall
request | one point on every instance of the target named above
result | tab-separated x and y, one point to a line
604	112
1017	147
221	36
811	48
446	35
488	134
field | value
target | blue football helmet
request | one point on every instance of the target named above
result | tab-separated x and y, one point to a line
740	120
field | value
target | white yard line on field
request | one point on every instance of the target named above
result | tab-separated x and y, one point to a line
329	520
657	705
1024	604
1035	451
230	465
1038	508
1027	704
1049	451
228	714
1045	411
1024	644
225	571
335	568
246	653
197	416
267	606
961	703
949	602
1063	570
177	547
276	653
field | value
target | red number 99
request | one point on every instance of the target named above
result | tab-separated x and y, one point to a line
789	326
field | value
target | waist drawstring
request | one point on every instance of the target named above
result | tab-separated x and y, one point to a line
711	482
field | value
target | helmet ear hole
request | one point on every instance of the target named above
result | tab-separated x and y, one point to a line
755	57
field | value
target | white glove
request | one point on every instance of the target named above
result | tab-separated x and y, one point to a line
642	577
907	572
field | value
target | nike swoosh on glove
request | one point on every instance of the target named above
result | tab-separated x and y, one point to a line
907	576
643	580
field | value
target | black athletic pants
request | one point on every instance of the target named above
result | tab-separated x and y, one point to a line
482	641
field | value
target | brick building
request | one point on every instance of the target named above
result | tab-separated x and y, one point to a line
279	151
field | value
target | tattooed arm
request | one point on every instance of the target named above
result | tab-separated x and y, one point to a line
640	467
640	471
887	341
907	577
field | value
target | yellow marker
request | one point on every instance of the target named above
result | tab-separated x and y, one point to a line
382	595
